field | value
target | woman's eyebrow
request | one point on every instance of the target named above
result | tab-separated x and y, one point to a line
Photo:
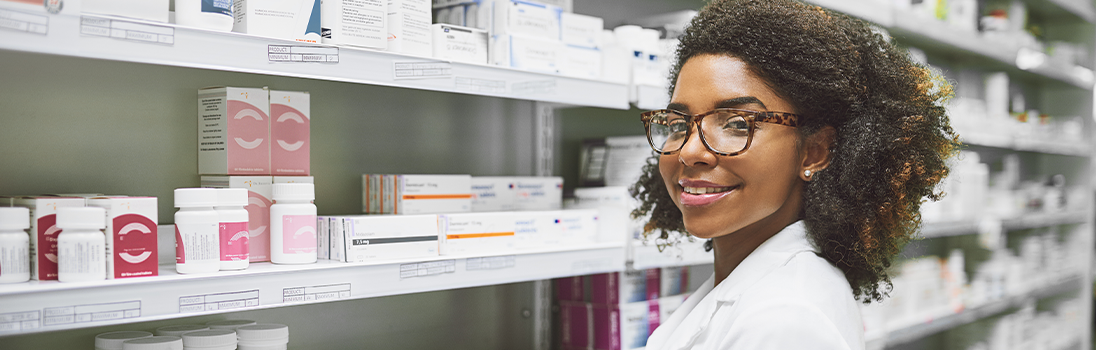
680	107
740	101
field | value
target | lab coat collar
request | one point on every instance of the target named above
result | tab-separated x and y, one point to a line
773	253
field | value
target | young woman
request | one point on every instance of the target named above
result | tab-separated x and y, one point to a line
800	143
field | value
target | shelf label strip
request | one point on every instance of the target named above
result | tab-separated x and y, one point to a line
430	268
219	301
20	321
24	22
422	70
538	87
302	54
490	263
316	293
480	85
125	30
91	313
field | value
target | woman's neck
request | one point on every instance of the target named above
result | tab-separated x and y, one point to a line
731	249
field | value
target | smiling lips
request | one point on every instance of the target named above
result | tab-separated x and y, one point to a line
701	193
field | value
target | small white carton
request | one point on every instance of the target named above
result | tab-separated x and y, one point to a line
233	131
460	44
260	194
525	18
362	23
149	10
527	52
538	193
44	232
477	233
581	62
387	237
581	30
416	194
131	239
409	27
297	20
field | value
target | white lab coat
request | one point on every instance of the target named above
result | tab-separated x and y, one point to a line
782	296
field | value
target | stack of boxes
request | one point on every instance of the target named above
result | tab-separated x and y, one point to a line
253	138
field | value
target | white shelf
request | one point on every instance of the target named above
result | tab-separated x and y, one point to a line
51	306
234	52
1068	9
1023	222
1079	149
932	326
647	256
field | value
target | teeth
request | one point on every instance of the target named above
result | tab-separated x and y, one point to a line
706	190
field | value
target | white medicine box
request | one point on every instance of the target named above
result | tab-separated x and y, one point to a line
460	44
387	237
149	10
581	30
524	18
233	131
477	233
527	52
362	23
409	27
131	235
44	232
297	20
416	194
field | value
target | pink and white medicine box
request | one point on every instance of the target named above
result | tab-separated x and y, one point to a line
290	119
576	325
606	326
260	191
570	288
387	237
131	235
44	232
234	131
477	233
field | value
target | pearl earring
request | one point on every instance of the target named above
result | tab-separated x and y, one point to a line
807	173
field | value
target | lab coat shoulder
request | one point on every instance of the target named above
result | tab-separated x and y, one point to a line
805	304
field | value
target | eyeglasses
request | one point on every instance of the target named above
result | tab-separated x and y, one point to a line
724	131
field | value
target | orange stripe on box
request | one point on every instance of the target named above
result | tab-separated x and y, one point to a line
436	196
479	235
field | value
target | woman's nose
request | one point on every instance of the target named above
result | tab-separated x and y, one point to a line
693	153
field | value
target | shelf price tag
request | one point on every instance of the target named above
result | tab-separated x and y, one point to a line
91	313
24	22
302	54
219	301
421	70
316	293
480	85
538	87
126	30
429	268
20	321
490	263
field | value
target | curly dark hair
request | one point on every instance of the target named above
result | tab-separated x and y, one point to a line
892	137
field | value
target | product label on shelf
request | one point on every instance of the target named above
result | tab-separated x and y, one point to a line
534	87
429	268
316	293
480	85
24	22
91	313
422	70
20	321
219	301
300	53
126	30
490	263
298	234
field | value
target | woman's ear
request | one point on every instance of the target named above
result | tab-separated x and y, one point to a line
816	152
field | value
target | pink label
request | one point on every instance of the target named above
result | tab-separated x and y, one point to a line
47	247
234	239
298	234
180	252
652	316
248	147
289	131
134	246
654	283
258	213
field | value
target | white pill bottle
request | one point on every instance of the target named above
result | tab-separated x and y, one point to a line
14	245
206	14
293	224
233	221
81	246
197	237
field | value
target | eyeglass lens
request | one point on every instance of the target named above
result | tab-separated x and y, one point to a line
724	131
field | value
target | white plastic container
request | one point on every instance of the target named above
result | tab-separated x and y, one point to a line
293	224
114	340
197	247
233	220
14	245
154	343
263	336
180	329
205	14
214	339
229	324
81	246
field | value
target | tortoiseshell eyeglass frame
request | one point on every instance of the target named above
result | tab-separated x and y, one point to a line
752	117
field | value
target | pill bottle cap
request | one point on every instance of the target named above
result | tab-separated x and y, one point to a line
87	218
15	218
262	332
179	329
195	197
113	340
294	192
231	197
229	324
154	343
209	338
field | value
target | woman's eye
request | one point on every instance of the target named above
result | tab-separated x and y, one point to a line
678	126
736	124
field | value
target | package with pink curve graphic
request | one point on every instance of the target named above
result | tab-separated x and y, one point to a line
234	131
130	235
260	194
290	118
44	232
